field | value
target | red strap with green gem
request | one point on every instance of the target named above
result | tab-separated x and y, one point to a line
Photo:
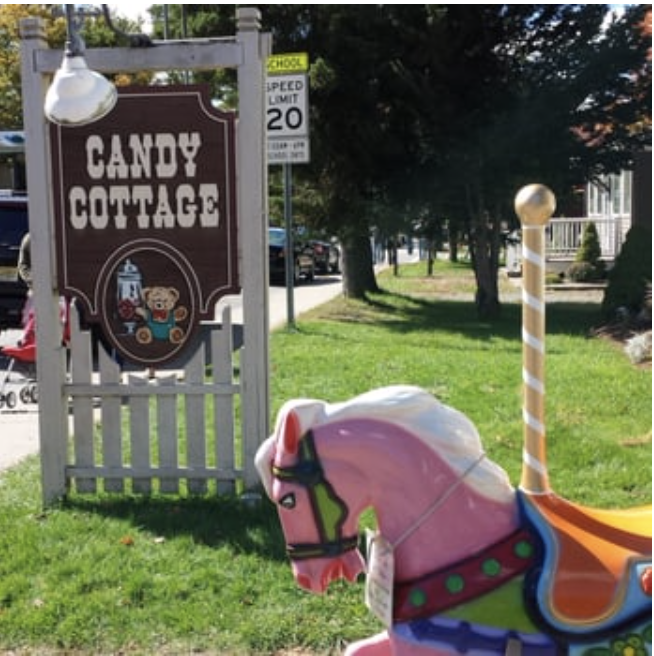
468	579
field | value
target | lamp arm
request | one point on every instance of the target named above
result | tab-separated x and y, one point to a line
74	42
134	40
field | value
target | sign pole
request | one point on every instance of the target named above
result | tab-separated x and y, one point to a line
287	125
290	248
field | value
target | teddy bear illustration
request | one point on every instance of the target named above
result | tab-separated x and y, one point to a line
161	316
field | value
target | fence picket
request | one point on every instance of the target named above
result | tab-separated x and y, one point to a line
139	425
223	409
167	434
111	413
81	371
196	443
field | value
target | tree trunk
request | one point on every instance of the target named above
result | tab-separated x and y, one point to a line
358	270
453	242
484	251
487	298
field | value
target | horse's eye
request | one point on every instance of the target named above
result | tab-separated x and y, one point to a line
288	501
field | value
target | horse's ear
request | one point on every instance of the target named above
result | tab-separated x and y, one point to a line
291	433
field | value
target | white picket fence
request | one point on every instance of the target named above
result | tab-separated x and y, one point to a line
167	434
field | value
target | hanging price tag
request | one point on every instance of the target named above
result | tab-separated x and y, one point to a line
379	577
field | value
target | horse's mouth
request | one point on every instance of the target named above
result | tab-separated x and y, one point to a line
315	576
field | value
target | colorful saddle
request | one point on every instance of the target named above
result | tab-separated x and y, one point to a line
596	571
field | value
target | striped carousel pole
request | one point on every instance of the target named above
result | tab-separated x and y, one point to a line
534	205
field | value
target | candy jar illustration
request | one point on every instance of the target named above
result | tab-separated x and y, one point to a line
128	286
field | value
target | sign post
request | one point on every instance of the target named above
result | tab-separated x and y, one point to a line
113	174
287	122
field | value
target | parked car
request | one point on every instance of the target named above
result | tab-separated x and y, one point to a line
327	256
13	291
304	265
321	255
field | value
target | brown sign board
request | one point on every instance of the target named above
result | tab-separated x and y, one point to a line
145	218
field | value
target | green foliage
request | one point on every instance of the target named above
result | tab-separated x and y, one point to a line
590	250
631	274
11	109
588	265
584	272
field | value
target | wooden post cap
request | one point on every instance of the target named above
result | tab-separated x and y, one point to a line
534	205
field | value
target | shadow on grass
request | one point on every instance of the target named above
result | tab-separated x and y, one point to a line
405	314
212	521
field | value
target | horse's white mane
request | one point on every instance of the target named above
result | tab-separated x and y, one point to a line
442	428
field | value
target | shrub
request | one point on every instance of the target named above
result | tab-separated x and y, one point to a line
588	266
583	272
631	276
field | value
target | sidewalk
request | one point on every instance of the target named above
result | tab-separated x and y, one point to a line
19	427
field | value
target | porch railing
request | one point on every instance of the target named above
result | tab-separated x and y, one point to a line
564	236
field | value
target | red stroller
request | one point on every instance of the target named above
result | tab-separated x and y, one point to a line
21	370
22	363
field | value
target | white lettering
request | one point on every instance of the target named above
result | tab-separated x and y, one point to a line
167	156
186	207
98	208
141	195
144	207
77	208
189	145
141	146
117	168
138	156
210	214
119	198
94	163
163	216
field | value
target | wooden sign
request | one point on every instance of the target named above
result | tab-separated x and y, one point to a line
145	218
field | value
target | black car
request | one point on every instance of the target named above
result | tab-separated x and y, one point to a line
13	292
304	265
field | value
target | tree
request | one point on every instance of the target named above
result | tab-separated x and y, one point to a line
11	108
533	85
455	107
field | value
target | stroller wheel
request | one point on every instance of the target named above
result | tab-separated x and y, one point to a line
2	400
11	400
24	394
34	393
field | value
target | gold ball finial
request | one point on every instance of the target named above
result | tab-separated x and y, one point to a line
534	205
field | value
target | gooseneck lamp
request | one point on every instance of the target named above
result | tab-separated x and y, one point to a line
77	95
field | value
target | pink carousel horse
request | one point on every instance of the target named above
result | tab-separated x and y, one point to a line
469	552
461	561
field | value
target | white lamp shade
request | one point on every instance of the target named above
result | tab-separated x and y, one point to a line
77	95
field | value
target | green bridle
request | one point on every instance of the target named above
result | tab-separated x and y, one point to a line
329	510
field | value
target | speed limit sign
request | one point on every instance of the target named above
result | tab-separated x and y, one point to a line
287	109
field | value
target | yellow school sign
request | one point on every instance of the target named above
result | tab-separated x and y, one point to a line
287	108
297	62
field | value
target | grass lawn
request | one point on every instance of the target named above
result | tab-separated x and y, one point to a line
206	575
